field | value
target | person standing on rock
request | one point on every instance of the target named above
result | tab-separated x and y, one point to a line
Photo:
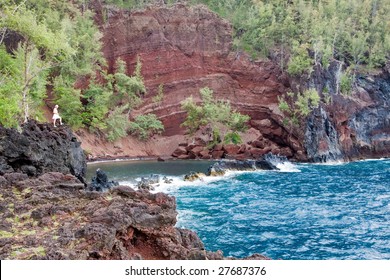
56	116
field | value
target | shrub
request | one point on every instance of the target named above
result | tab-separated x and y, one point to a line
144	126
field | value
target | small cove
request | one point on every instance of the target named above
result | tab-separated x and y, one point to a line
309	211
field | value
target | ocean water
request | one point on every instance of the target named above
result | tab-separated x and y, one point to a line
305	211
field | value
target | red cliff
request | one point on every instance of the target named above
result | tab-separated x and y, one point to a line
184	49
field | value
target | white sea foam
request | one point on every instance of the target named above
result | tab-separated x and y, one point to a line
332	163
287	167
375	159
177	182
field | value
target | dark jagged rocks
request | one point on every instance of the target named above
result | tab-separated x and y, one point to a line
148	182
100	182
193	176
219	168
352	126
54	217
41	148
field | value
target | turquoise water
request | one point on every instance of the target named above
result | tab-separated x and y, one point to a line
307	211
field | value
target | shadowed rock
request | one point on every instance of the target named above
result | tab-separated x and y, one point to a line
221	167
100	182
41	148
148	182
50	217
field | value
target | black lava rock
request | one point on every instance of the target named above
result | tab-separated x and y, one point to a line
100	182
41	148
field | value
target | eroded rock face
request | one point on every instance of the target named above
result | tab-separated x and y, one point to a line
353	126
54	217
184	49
41	148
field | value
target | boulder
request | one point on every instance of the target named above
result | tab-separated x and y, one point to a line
197	150
219	168
148	182
167	180
258	144
193	176
231	149
100	182
192	155
217	154
179	152
244	156
218	147
265	165
200	142
256	152
205	154
183	157
242	149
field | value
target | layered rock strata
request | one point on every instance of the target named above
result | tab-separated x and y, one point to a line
184	49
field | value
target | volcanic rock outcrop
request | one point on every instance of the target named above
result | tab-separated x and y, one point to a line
221	167
41	148
352	126
47	213
100	182
55	217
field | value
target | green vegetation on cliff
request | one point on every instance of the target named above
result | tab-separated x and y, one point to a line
225	123
50	52
310	32
304	35
46	48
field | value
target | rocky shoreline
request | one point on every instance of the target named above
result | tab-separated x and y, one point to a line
48	211
51	213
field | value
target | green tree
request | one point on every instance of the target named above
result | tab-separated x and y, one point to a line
97	108
128	89
160	94
144	126
298	105
39	50
58	44
117	123
216	114
9	91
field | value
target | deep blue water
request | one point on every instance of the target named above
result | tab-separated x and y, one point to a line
314	212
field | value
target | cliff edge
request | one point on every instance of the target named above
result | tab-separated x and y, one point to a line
185	48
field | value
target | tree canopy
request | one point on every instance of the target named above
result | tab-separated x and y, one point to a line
225	123
45	48
309	32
